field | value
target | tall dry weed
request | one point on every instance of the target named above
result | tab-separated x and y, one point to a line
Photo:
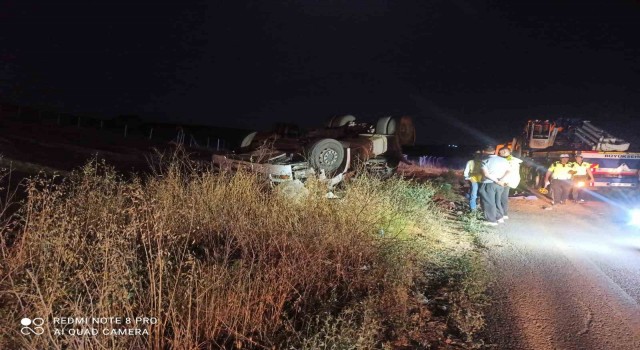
219	259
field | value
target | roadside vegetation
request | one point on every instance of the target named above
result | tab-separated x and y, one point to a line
224	261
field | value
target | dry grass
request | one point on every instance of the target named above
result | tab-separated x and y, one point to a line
220	259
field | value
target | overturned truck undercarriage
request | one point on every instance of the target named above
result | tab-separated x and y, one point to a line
341	147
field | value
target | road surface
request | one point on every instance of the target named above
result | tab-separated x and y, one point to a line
565	278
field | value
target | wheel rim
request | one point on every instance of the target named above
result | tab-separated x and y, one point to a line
328	156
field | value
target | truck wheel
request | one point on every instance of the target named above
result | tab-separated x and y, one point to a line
340	121
405	131
531	178
402	127
246	141
327	155
386	126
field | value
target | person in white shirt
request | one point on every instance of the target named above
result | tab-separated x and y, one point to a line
494	169
511	179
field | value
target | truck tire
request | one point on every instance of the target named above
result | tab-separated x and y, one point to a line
402	128
386	126
326	154
340	121
530	177
246	141
405	131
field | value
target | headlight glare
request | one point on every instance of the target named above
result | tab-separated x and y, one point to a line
634	216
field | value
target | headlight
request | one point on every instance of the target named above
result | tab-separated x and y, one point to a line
634	217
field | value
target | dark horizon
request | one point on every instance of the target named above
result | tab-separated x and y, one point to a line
470	72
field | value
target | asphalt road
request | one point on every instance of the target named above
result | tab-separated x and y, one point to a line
566	278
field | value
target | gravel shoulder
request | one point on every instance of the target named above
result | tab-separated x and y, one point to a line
565	278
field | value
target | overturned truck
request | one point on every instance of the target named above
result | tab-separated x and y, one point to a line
342	146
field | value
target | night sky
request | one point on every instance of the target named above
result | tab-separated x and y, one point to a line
464	69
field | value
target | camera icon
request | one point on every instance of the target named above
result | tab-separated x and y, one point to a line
32	326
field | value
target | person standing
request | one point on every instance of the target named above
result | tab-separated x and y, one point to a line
473	174
512	180
560	173
583	176
494	169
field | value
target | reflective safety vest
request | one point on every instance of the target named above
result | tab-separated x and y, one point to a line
473	171
581	168
560	171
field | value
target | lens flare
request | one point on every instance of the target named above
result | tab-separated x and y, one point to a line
634	217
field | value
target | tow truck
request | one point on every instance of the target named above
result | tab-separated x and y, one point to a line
543	141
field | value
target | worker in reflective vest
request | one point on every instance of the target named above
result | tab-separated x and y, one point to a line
473	174
583	177
560	173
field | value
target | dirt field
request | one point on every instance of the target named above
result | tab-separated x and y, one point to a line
566	278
